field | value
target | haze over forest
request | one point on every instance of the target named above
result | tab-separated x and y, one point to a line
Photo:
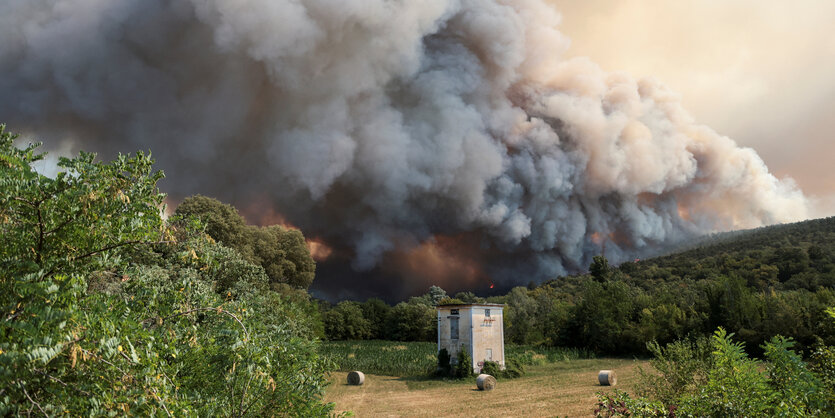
458	143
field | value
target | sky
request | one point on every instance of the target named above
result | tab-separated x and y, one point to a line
759	71
462	133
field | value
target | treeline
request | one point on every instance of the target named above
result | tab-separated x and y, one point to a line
756	284
412	320
110	309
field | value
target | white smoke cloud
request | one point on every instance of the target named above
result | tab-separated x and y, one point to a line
376	125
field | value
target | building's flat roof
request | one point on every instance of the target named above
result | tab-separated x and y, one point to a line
452	305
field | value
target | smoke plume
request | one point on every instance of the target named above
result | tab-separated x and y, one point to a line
417	142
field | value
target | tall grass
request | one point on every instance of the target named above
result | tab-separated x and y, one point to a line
395	358
392	358
531	355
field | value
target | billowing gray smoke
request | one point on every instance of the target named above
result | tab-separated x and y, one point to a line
399	133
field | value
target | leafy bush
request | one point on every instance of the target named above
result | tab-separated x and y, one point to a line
620	404
444	367
730	385
464	364
735	386
822	363
110	310
492	368
680	367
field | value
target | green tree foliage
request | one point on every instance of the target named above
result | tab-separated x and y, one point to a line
412	321
436	294
599	268
346	322
464	364
680	368
375	311
728	384
415	320
109	310
282	252
88	214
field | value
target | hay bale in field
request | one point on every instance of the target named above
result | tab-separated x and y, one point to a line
607	378
356	378
485	382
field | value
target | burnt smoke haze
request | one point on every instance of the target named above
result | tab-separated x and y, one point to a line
435	142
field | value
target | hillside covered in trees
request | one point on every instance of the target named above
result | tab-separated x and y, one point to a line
758	283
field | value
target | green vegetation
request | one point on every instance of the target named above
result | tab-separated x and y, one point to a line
281	251
463	367
687	382
394	358
109	309
389	358
757	284
413	320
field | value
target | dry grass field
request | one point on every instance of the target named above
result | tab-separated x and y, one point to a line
551	390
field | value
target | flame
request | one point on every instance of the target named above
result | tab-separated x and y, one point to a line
318	249
441	261
491	285
597	238
266	215
683	212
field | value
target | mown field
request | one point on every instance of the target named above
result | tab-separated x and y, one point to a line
407	359
565	388
558	382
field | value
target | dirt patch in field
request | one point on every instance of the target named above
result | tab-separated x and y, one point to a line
559	389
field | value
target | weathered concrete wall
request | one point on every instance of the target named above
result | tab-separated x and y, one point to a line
477	332
444	326
487	335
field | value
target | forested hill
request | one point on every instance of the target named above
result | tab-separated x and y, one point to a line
789	256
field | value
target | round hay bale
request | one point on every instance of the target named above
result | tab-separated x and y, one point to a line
607	378
485	382
356	378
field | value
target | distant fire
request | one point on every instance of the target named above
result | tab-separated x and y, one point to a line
439	261
266	216
683	212
491	285
319	250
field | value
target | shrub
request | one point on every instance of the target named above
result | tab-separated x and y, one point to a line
492	368
464	366
444	368
680	367
112	310
620	404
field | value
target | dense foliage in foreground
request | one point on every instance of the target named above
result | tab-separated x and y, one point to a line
716	378
110	309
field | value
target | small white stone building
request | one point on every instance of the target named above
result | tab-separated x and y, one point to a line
478	326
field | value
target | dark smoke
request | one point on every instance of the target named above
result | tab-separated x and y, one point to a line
406	135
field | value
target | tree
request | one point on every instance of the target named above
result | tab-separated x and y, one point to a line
375	311
411	321
281	251
222	221
89	213
346	322
436	294
599	268
109	310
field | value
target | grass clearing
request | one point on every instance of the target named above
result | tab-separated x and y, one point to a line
406	359
565	388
